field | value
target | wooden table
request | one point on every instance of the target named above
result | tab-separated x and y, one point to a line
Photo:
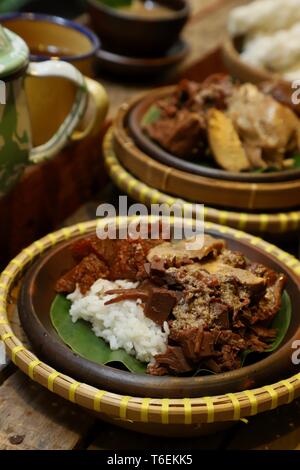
33	418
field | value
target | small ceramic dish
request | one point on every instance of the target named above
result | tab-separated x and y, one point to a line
128	34
52	37
133	67
152	149
37	294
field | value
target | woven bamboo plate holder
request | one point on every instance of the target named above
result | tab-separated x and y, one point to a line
266	224
282	195
180	417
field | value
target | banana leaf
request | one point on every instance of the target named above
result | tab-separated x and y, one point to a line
81	339
152	115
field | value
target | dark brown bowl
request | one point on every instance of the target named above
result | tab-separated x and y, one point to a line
133	35
155	151
37	294
137	68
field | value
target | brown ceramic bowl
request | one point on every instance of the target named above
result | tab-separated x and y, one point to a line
158	153
37	294
51	38
132	35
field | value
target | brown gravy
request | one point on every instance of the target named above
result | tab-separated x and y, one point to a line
147	9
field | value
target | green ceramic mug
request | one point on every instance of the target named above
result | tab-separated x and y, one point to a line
16	149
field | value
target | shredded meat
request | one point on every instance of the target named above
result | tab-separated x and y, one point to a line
181	128
264	125
233	258
217	304
195	342
239	127
173	359
180	134
226	306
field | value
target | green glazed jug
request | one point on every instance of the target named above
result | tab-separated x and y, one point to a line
16	150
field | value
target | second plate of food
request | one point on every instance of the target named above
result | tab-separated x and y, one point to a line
162	318
263	195
220	129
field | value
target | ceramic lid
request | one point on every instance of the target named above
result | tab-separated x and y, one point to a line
14	52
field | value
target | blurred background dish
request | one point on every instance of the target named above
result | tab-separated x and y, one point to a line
51	37
129	33
201	162
237	67
248	196
144	68
264	41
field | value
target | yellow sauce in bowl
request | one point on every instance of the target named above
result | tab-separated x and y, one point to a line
147	9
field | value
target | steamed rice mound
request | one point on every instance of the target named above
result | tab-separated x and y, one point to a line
122	325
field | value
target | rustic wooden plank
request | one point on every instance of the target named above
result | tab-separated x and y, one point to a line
110	437
7	371
3	360
33	418
7	368
275	430
15	447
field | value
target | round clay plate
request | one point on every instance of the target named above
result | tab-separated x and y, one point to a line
133	67
37	294
152	149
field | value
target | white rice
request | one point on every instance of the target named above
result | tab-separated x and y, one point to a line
122	325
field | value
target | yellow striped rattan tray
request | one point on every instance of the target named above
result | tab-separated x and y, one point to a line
260	224
188	416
